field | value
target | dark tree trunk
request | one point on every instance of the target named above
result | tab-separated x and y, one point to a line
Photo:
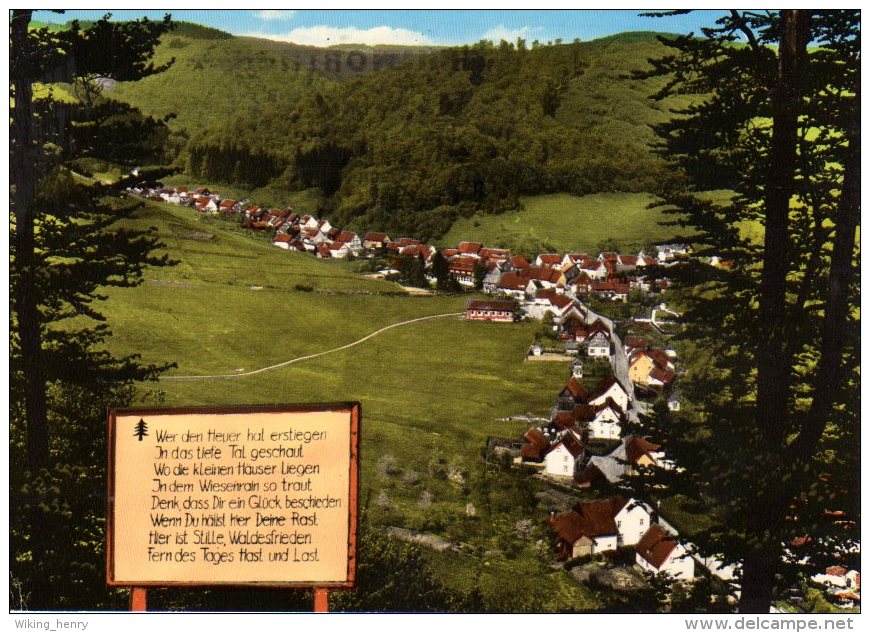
29	324
774	366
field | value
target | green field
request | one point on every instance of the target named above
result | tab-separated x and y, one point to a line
431	392
232	304
562	223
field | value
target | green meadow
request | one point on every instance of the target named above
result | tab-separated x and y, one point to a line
233	304
562	222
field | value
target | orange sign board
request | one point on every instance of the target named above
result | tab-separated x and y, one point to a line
233	496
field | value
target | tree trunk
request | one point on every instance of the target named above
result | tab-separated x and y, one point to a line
774	367
29	325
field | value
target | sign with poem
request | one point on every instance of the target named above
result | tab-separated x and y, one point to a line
233	496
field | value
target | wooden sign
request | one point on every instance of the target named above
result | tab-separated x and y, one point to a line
261	496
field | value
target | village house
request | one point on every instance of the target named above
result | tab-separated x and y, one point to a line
632	453
462	268
283	240
650	368
500	255
339	250
491	310
669	252
374	240
513	285
598	344
354	244
519	263
549	301
534	448
470	249
564	456
659	551
493	276
593	527
572	395
549	260
603	422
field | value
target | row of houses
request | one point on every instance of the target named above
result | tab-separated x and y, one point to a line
611	275
606	525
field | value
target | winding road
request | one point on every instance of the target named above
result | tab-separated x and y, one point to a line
308	357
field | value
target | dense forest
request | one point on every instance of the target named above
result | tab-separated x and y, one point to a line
437	135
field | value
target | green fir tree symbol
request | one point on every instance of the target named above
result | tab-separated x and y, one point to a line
141	429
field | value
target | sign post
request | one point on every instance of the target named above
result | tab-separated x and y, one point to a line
237	496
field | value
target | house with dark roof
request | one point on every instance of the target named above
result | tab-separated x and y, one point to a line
564	456
374	240
535	447
593	527
502	310
658	551
470	249
572	395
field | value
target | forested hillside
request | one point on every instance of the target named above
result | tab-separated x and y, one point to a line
428	138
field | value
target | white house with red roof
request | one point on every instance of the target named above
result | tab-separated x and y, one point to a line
609	389
605	422
564	456
599	526
374	239
354	243
283	240
549	260
490	310
659	551
470	249
339	250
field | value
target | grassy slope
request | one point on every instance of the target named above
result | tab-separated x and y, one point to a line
452	377
561	222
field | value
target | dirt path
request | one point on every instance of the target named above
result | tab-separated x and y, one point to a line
308	357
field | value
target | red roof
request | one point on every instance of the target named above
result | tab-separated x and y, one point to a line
836	570
512	281
577	390
346	236
664	376
564	419
519	261
591	519
469	248
323	250
570	442
637	447
450	252
499	305
406	241
550	259
283	238
542	273
535	448
376	237
418	249
655	546
337	246
463	264
635	342
494	253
